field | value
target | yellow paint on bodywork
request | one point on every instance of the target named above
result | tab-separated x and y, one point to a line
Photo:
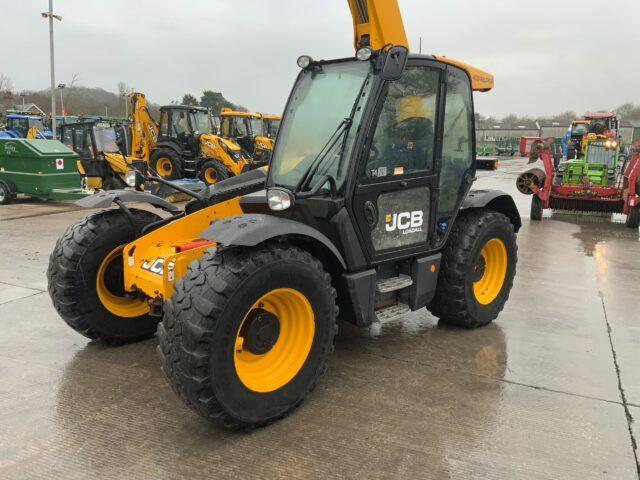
144	130
481	80
162	244
32	133
211	146
377	23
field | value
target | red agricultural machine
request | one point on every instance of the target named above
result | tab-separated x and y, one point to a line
603	181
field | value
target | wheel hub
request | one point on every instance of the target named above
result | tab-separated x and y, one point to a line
262	331
479	268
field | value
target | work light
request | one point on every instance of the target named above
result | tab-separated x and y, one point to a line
279	199
304	61
363	54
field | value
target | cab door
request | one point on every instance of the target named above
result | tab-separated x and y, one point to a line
393	201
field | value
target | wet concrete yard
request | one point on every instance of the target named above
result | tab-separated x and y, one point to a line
550	390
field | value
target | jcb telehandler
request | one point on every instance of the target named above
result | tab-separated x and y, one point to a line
182	144
366	211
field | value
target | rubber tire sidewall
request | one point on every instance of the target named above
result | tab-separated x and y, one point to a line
486	313
536	208
8	195
102	324
241	402
633	219
221	171
176	162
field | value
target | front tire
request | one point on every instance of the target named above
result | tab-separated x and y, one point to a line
86	280
166	163
478	267
239	374
213	171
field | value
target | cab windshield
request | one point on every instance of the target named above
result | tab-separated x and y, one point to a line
271	127
322	98
256	127
105	139
580	129
201	122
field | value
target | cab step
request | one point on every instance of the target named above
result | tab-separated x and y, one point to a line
393	311
394	283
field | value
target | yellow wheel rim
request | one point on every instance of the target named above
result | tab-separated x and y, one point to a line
269	371
164	167
494	257
114	303
210	175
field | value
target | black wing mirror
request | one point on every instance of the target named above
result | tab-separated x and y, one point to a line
394	62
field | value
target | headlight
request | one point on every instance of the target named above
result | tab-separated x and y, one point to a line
304	61
363	54
608	144
131	178
279	199
614	144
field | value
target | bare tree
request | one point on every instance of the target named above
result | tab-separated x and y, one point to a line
5	83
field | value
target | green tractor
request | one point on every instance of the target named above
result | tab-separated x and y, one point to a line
598	167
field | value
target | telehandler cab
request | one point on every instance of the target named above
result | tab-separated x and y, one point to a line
366	211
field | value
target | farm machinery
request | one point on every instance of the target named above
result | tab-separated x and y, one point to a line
366	210
247	129
603	125
21	125
182	144
600	181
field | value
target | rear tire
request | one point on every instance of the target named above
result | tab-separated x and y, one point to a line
536	208
167	163
85	279
203	321
633	219
478	267
213	171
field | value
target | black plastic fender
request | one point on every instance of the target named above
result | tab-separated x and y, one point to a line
105	199
496	200
254	228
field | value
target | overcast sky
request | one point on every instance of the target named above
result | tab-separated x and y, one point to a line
547	56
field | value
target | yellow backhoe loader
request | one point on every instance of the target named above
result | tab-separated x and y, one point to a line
247	130
366	211
182	144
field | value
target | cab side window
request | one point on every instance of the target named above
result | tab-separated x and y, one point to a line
164	124
457	141
404	139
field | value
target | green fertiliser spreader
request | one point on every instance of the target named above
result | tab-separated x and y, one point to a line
45	169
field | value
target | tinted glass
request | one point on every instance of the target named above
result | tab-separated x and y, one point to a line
404	139
457	141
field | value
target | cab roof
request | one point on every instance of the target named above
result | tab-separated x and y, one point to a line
183	107
481	80
227	112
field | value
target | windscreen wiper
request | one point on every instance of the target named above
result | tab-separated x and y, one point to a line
341	132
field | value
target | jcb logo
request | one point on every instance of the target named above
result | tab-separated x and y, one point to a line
406	222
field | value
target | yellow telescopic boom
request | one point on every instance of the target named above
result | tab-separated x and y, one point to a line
377	23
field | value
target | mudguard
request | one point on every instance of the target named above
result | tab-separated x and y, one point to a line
253	228
105	199
495	199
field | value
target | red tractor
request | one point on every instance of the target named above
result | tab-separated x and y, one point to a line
603	181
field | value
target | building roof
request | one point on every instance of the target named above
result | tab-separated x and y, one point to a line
29	107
